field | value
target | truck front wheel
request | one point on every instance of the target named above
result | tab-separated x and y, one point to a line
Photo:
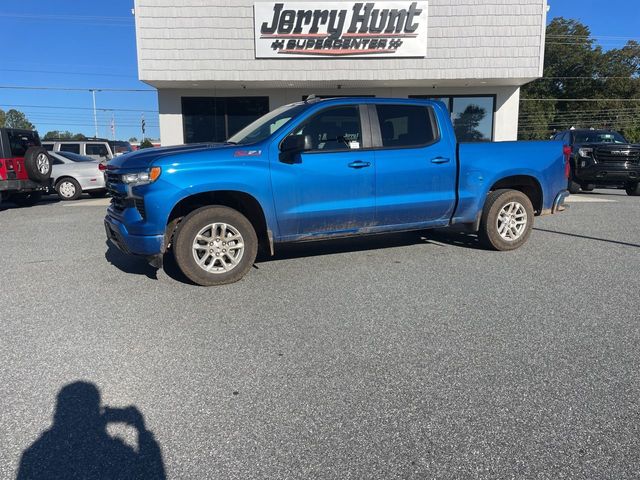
507	220
215	245
633	189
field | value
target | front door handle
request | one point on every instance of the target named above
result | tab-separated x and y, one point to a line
440	160
359	164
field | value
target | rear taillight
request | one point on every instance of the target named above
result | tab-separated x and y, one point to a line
566	151
102	167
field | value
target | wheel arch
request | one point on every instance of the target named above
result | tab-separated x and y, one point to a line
243	202
527	184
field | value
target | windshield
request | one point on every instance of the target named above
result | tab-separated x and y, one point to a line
74	157
599	137
267	124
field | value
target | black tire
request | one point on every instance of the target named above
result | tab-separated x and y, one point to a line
37	162
633	189
26	199
587	187
97	193
574	187
489	234
193	224
68	189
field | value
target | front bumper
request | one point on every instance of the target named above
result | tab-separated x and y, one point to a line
145	245
608	173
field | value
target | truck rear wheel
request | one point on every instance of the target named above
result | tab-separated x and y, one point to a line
507	220
633	189
215	245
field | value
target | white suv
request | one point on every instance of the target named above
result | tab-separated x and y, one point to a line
97	148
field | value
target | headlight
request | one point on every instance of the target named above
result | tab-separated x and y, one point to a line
585	152
142	178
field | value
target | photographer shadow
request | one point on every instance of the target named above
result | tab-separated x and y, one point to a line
78	446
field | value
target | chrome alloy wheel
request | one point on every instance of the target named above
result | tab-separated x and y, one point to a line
218	248
512	221
67	189
42	163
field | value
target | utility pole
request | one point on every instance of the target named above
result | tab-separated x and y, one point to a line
95	117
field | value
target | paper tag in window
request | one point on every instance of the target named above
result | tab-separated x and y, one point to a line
354	144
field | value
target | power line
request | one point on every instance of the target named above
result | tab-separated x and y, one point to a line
80	18
107	109
580	99
69	73
69	89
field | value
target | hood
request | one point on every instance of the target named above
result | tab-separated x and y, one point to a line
141	159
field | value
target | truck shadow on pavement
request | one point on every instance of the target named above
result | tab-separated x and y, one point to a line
129	263
78	446
381	241
441	238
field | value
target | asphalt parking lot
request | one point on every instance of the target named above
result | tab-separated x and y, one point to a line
404	356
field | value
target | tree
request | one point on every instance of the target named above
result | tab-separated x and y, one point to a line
15	119
146	143
66	135
576	68
133	140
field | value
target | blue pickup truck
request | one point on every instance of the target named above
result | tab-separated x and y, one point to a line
323	169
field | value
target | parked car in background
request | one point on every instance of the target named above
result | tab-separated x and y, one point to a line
25	167
325	169
602	158
74	174
97	148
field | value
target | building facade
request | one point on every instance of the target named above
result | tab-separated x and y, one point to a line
219	64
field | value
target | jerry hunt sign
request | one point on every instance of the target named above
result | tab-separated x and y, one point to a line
340	29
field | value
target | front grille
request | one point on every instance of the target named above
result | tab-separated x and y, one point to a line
617	155
113	178
139	203
118	201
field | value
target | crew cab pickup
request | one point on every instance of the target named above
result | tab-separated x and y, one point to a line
322	169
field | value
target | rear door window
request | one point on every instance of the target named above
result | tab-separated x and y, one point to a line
19	142
96	150
406	125
70	147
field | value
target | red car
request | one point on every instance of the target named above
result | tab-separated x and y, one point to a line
25	166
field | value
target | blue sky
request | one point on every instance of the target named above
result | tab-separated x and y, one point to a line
91	44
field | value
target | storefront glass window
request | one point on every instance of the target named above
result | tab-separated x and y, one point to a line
214	119
472	116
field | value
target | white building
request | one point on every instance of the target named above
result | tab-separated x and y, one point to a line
219	64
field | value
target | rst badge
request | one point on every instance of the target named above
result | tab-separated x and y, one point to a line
340	29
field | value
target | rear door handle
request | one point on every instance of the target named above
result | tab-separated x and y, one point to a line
359	164
440	160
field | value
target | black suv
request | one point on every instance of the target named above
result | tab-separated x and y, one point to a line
602	158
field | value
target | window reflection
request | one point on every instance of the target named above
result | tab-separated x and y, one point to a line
472	118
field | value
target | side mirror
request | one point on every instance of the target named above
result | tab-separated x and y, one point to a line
292	146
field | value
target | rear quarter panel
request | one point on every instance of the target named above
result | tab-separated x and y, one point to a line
482	165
